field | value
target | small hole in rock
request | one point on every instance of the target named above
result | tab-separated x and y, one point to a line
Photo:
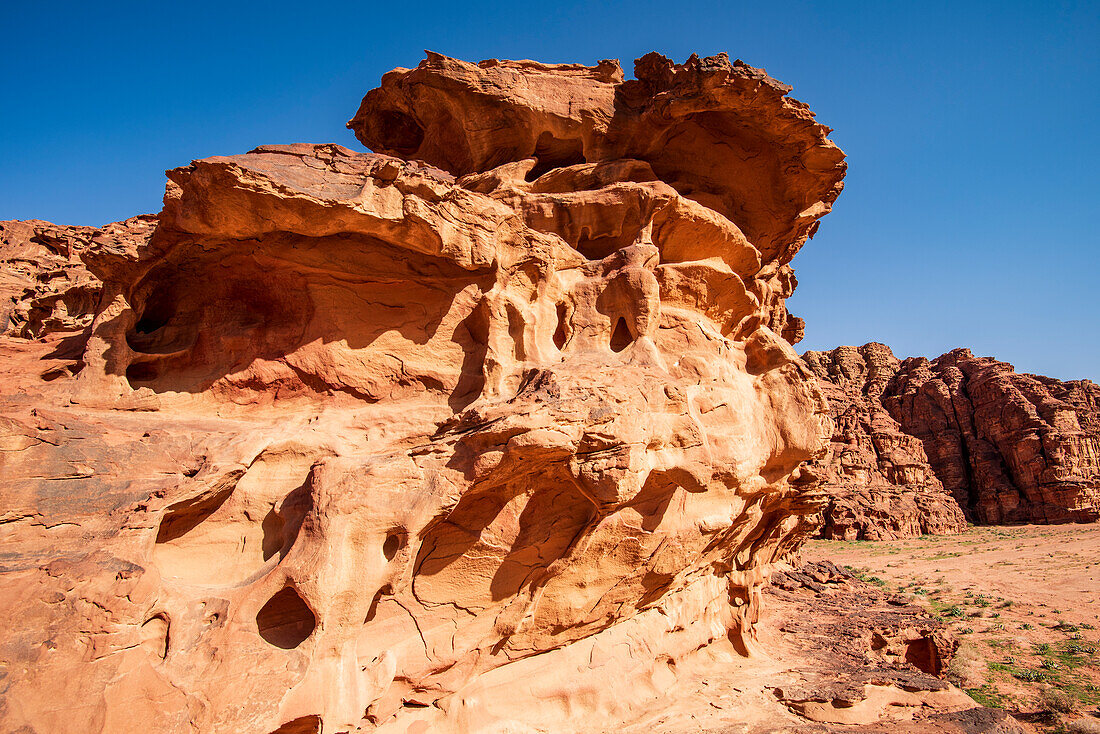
286	621
393	543
141	372
274	538
515	331
399	131
621	337
157	311
154	635
561	335
386	590
183	517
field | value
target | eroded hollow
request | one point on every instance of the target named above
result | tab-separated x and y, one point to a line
399	132
923	655
286	621
394	542
561	334
229	533
621	338
554	153
154	635
183	517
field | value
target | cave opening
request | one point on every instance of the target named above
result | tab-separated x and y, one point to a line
552	152
621	338
285	620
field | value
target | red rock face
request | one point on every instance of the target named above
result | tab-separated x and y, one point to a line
487	431
1010	447
879	482
916	440
44	286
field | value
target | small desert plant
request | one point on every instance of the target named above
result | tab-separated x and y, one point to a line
953	611
1053	699
1029	675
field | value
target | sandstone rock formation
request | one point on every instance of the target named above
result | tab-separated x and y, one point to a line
44	286
489	432
498	430
1010	447
878	479
1005	447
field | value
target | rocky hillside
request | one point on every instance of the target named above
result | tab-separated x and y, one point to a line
916	440
878	479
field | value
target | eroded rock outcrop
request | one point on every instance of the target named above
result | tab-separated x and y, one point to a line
491	430
1010	447
878	478
44	286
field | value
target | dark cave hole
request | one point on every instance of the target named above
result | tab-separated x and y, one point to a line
554	153
157	311
394	542
286	621
400	132
183	517
621	338
302	725
561	334
141	372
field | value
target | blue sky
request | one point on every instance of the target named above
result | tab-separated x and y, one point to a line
970	213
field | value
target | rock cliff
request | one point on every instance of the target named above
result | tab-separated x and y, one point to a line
878	478
489	431
916	440
1010	447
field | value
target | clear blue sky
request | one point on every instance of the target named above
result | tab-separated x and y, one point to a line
971	210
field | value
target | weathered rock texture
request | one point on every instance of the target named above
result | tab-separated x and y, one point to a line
1005	447
486	433
44	286
878	479
1010	447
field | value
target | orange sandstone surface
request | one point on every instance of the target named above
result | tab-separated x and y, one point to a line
499	429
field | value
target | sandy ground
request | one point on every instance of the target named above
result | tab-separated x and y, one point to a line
1024	602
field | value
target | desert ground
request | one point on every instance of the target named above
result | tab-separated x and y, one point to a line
1023	601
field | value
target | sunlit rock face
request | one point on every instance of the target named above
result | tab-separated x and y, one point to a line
1010	447
487	430
877	477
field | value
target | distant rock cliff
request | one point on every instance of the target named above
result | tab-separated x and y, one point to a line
879	480
917	440
1010	447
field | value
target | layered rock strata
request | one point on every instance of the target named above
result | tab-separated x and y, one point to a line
918	439
878	478
486	432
